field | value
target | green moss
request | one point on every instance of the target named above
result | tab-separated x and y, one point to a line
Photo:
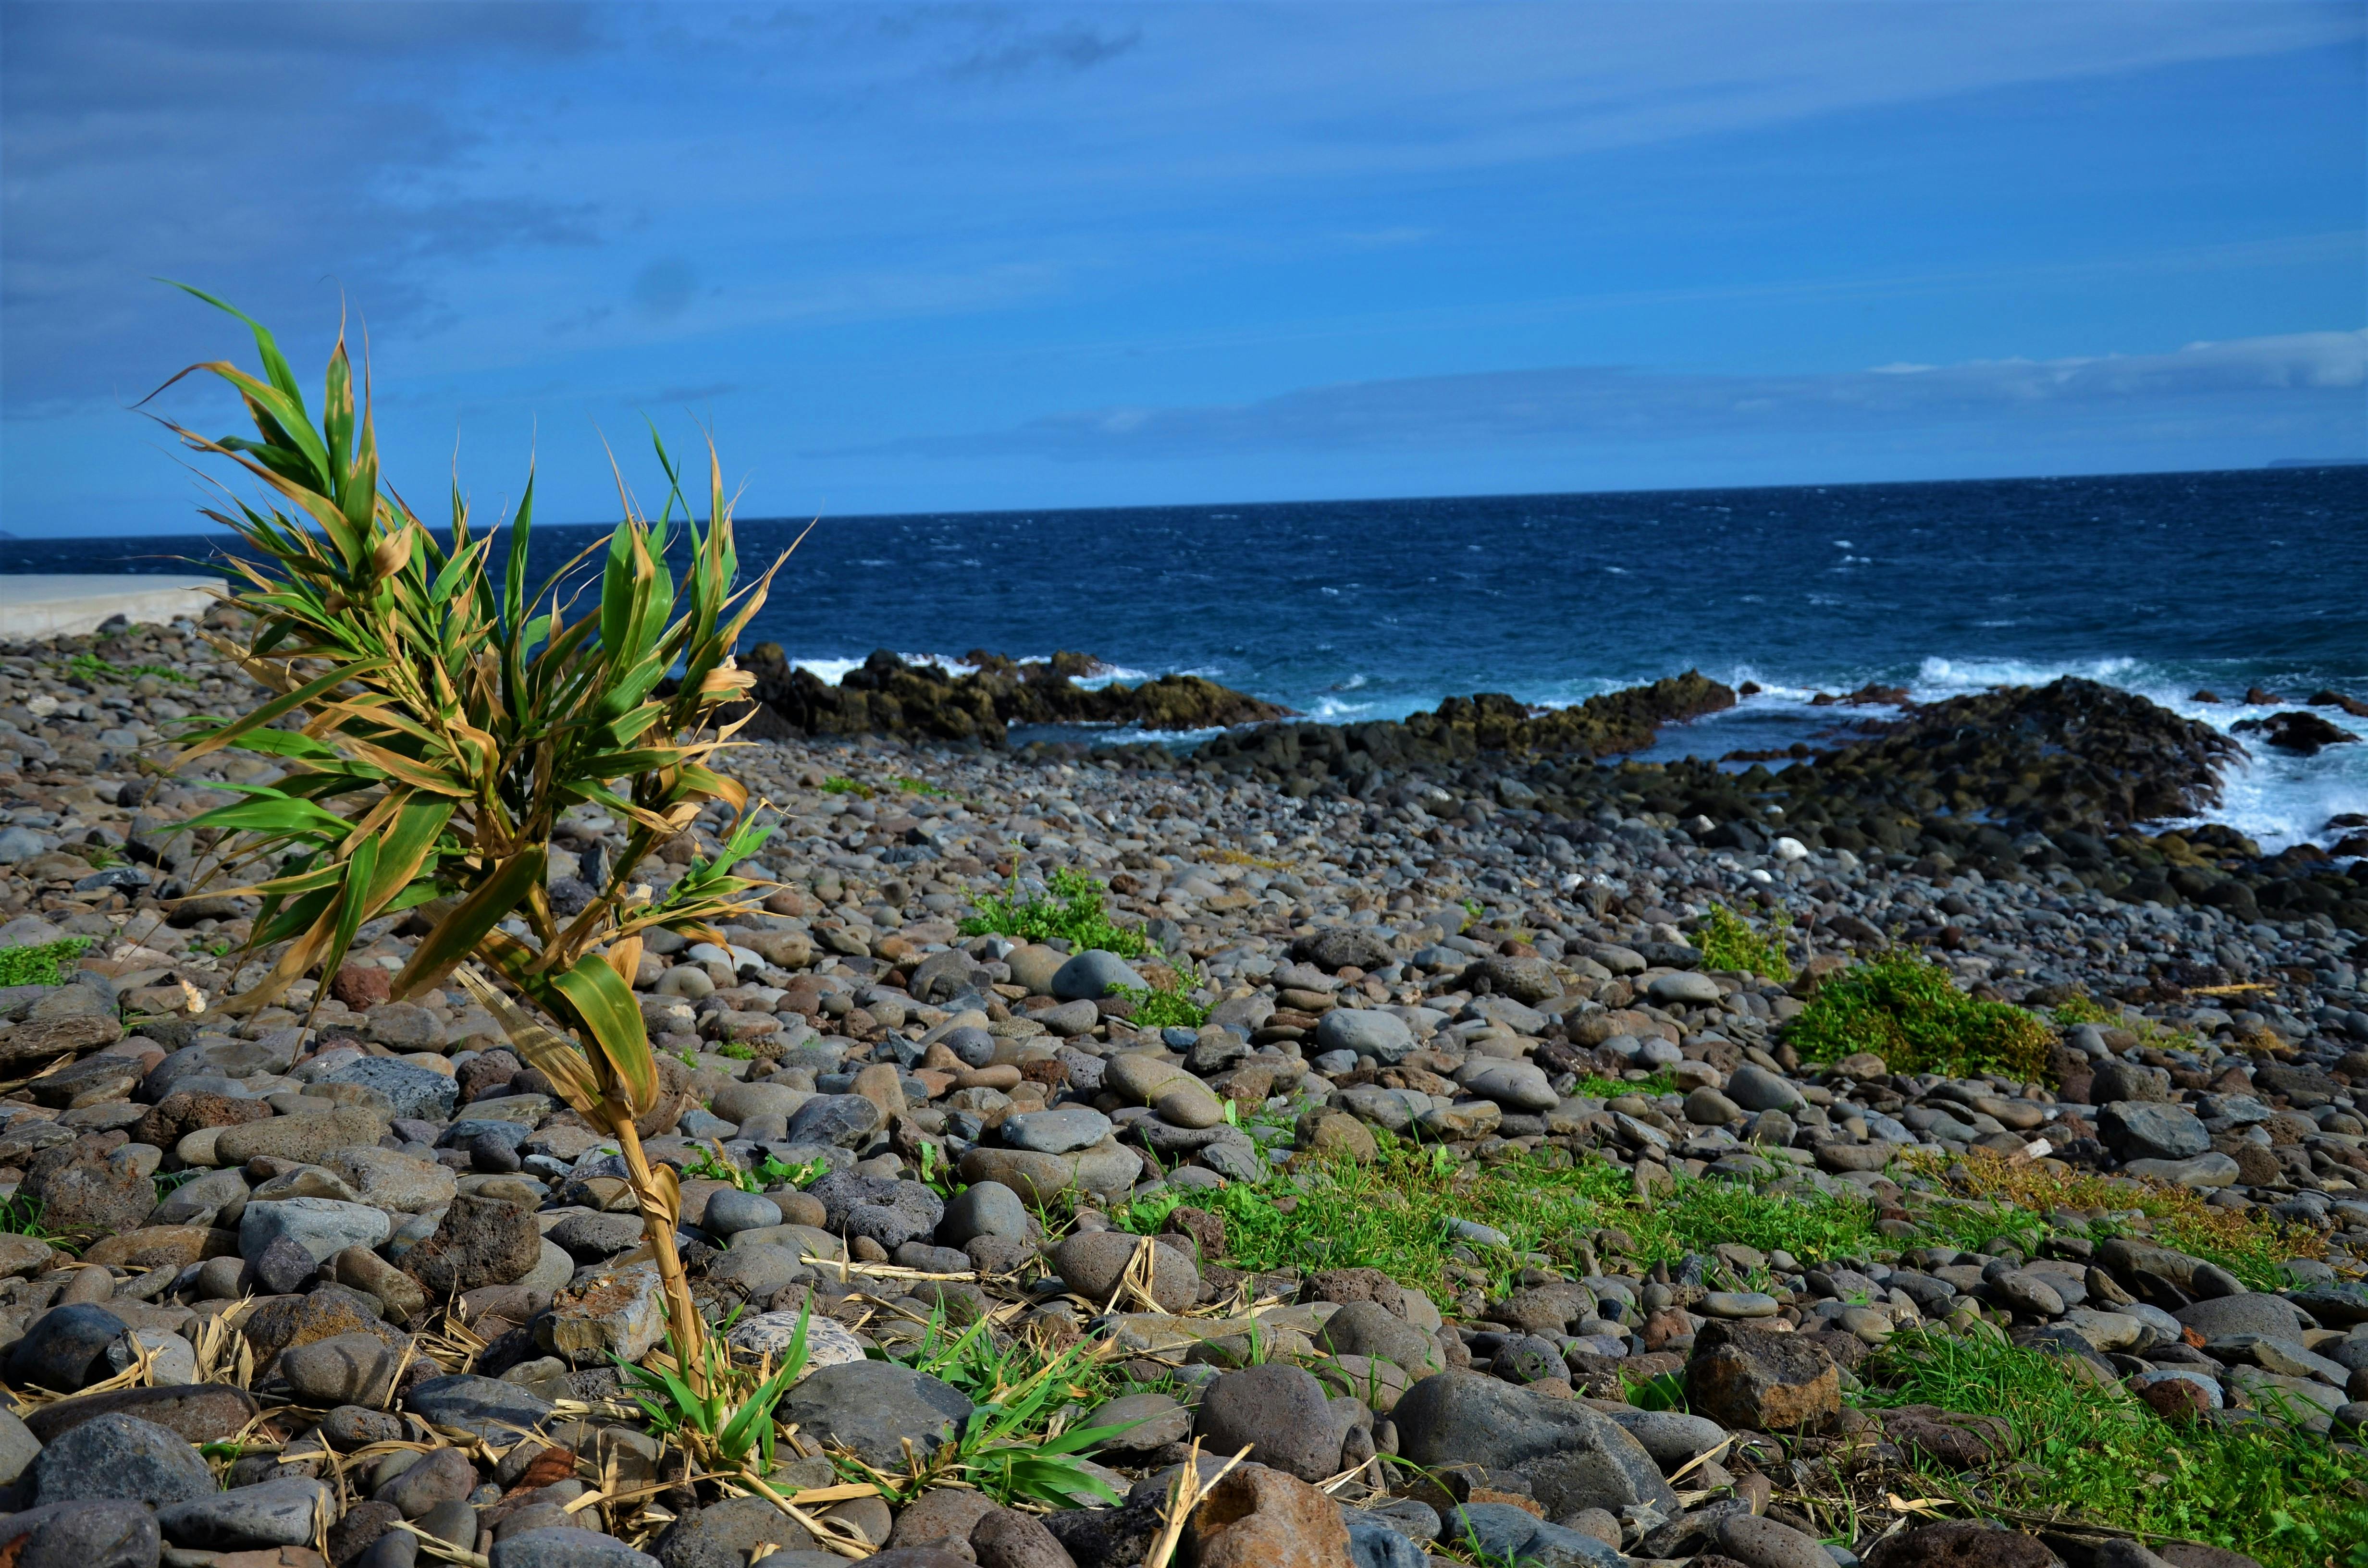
1073	912
50	964
1727	941
1911	1014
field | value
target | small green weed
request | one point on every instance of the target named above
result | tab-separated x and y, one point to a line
2084	1008
1074	912
1911	1014
1727	941
91	667
738	1049
731	1425
52	964
21	1216
1010	1446
768	1172
918	786
168	1181
1169	1007
839	784
1664	1391
2273	1490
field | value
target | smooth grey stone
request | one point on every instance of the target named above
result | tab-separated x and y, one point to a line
731	1210
271	1513
121	1456
1385	1037
82	1535
324	1227
63	1347
873	1407
1753	1087
566	1547
1373	1544
982	1209
2144	1129
1670	1437
1061	1130
18	1446
484	1407
1093	974
1467	1417
1152	1421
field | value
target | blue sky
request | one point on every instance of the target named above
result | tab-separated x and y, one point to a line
963	257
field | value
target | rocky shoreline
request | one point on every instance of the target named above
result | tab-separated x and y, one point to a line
1433	1139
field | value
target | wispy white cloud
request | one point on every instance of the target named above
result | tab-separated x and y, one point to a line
2323	370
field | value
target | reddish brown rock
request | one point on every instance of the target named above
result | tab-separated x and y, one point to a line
481	1241
1764	1382
1263	1518
1949	1438
363	985
176	1116
163	1246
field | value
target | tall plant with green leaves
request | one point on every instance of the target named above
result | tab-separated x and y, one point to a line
435	716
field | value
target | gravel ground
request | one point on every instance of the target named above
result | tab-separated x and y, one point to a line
1493	1221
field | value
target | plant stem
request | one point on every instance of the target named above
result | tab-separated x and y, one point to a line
657	1224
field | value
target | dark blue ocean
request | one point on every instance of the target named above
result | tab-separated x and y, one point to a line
2162	583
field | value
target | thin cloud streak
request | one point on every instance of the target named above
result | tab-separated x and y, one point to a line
2321	369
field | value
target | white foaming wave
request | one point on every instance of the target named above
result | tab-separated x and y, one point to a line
1333	708
2275	798
1937	678
1113	675
830	672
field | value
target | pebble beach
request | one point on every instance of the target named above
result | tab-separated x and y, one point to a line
1450	1120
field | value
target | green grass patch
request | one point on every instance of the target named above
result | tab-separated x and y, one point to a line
1073	911
1728	942
52	964
2011	1199
91	667
2274	1491
1392	1213
1911	1014
1651	1087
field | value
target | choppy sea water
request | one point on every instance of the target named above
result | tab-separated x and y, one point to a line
2160	583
